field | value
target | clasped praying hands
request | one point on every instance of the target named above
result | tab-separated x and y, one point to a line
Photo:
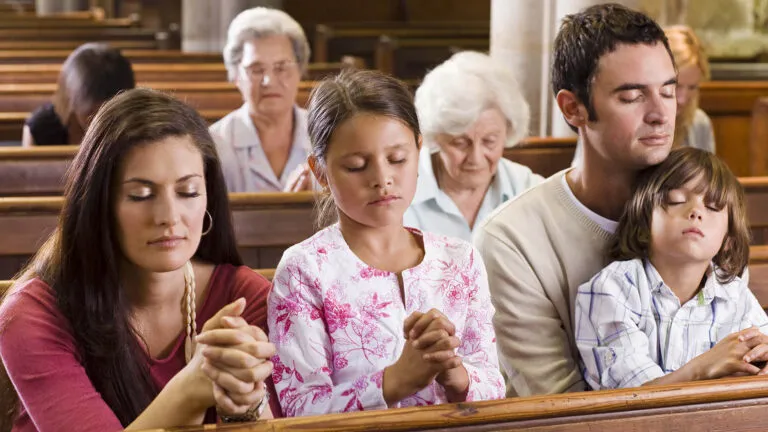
429	355
236	360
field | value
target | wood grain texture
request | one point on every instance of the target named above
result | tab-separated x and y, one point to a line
47	73
25	97
758	139
732	404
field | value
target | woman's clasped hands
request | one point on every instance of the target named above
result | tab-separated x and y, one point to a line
234	356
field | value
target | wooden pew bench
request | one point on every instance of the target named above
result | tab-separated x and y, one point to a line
730	105
758	139
265	225
84	34
543	155
412	58
200	95
758	273
12	123
756	191
135	56
70	45
64	22
733	404
333	42
158	72
39	171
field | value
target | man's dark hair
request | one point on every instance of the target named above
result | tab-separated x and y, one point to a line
586	36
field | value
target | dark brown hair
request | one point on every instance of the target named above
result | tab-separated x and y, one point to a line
716	182
90	76
80	260
586	36
340	98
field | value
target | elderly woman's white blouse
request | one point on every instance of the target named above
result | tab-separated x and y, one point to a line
434	211
337	323
243	161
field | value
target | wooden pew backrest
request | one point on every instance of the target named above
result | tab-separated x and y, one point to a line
756	193
332	42
543	155
737	404
200	95
265	225
413	58
758	139
135	56
758	273
729	105
34	171
48	73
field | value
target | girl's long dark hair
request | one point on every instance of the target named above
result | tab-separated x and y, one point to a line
80	260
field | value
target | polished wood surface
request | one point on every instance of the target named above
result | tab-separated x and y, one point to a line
734	404
729	105
200	95
48	73
758	139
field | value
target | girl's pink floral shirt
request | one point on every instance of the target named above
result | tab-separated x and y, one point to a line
337	323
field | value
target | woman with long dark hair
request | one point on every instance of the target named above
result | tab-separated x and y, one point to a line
100	331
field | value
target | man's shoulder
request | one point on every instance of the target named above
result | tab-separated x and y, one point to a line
532	206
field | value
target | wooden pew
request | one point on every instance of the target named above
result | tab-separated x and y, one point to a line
333	41
144	72
11	123
543	155
758	273
64	22
39	171
412	58
758	139
135	56
86	34
69	45
20	8
733	404
265	225
756	191
201	95
158	72
36	171
729	104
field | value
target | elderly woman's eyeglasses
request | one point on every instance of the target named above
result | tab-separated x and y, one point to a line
280	70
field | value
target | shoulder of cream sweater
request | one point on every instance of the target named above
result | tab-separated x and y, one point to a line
547	204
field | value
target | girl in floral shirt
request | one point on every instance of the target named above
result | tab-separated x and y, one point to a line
368	314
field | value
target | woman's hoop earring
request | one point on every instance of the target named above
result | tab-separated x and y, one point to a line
209	226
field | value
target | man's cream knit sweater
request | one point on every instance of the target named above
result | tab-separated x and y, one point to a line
538	248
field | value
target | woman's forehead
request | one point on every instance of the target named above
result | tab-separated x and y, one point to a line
169	157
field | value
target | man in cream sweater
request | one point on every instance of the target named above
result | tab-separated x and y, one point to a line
614	80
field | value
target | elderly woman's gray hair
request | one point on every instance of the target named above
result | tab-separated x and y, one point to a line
261	22
455	93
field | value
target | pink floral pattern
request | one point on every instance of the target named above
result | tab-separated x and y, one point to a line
337	323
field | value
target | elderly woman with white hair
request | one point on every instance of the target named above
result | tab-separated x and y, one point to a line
264	141
470	109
